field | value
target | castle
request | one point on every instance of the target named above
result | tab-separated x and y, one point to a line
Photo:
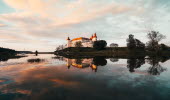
86	42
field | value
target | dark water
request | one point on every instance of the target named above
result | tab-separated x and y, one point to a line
46	77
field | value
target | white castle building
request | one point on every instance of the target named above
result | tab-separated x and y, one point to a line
86	42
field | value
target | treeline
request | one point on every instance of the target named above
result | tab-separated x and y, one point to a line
134	46
7	51
153	46
6	54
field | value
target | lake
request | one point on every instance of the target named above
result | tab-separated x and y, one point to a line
50	77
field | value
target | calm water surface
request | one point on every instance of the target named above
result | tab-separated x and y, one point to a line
47	77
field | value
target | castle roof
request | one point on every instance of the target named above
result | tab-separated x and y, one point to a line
83	38
80	38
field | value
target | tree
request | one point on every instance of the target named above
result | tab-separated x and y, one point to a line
154	39
164	47
114	45
60	47
139	44
100	45
131	44
78	44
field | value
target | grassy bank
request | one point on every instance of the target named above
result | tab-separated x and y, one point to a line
121	52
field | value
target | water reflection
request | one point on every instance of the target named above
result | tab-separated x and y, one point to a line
114	59
154	62
53	81
156	68
86	63
37	60
6	58
3	81
134	63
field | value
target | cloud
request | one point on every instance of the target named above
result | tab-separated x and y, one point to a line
42	20
2	25
52	19
64	12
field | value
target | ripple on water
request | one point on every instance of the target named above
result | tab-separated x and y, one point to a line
5	81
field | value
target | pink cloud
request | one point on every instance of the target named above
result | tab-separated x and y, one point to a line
2	25
63	13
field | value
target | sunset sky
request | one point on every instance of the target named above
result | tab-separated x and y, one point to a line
44	24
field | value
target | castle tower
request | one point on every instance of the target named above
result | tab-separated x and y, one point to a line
68	42
91	37
69	62
94	37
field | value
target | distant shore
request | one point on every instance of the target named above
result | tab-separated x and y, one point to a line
121	52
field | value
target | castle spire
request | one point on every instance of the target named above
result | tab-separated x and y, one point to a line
91	37
95	35
68	38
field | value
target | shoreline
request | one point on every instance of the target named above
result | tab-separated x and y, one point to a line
120	52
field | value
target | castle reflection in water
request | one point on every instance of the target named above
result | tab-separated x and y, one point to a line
132	64
81	63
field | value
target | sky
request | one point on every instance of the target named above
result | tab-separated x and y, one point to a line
44	24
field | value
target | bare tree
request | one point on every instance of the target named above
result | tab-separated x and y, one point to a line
154	39
60	47
155	36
